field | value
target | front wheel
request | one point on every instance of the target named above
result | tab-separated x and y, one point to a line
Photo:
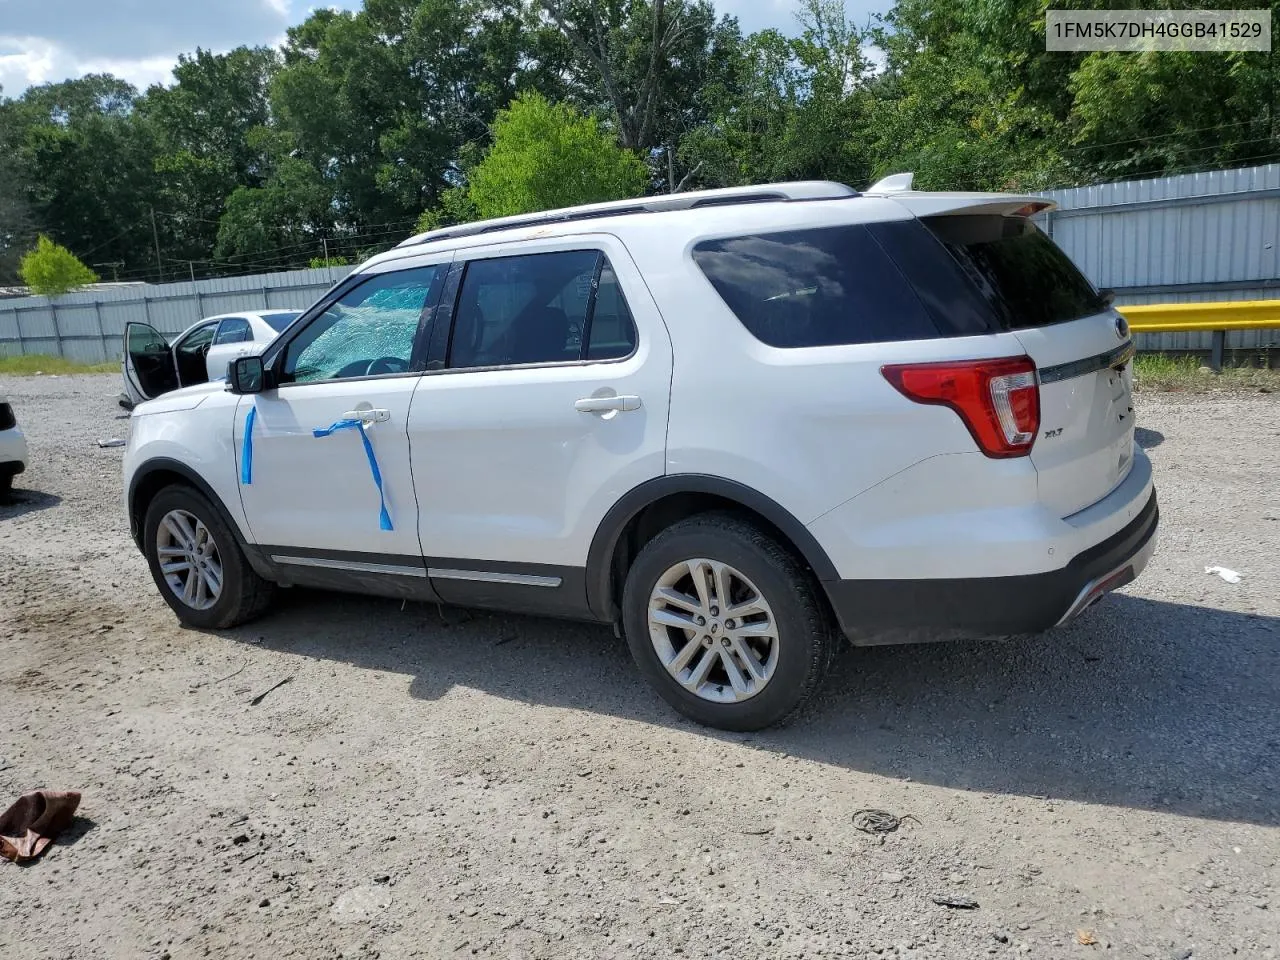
196	562
726	624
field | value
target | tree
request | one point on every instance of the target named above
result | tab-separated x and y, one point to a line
17	223
88	163
653	67
51	269
796	108
956	103
281	223
384	101
202	127
546	155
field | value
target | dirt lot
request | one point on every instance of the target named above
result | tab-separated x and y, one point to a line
439	787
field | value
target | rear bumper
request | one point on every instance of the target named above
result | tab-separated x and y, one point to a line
1028	603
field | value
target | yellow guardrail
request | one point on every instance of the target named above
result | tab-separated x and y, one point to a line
1192	317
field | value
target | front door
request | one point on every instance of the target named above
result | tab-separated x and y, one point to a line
149	369
550	403
325	478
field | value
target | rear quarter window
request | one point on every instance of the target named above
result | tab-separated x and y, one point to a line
814	288
1020	272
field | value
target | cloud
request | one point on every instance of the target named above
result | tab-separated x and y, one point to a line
138	40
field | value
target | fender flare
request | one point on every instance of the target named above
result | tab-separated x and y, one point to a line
169	465
609	532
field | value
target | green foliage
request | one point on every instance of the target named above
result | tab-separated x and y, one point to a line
316	262
546	155
30	364
51	269
455	207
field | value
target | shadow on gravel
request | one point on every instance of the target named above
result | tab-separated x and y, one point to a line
26	501
1148	439
1142	703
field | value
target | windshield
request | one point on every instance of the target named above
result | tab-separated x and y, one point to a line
281	319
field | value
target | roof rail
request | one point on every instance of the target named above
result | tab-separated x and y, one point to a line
764	193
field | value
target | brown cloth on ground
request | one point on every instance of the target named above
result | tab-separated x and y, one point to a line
30	825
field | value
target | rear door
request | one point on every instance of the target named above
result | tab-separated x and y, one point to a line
234	338
1081	347
547	404
149	368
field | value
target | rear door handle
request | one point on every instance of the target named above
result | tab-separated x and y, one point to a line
606	404
368	416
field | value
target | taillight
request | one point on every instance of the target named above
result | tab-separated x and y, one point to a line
998	400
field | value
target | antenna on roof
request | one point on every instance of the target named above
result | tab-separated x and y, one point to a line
894	183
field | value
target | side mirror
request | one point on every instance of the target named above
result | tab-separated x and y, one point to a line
1108	296
246	375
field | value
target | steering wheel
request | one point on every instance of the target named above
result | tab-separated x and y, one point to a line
386	365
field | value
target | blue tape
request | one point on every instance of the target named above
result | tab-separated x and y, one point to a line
384	518
246	451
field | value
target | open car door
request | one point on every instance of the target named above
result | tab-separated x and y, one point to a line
149	367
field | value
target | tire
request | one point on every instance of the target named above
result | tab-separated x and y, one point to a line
243	595
6	486
794	615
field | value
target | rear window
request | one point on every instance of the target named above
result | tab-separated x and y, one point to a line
814	288
1022	274
278	321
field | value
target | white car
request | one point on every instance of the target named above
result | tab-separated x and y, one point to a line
13	448
734	424
153	366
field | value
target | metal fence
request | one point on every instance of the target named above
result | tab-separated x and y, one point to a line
1194	237
88	326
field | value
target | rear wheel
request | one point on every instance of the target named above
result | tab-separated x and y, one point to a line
197	563
726	623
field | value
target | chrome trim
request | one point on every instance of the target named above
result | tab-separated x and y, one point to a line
1079	368
491	576
353	566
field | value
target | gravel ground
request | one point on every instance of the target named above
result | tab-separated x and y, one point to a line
448	786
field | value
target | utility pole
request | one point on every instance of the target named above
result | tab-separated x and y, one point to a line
192	265
115	266
325	242
155	235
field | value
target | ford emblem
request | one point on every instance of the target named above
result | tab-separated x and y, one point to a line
1122	327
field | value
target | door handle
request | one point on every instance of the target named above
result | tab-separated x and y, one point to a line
368	416
606	404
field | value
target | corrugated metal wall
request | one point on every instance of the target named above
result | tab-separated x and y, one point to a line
88	326
1183	239
1198	236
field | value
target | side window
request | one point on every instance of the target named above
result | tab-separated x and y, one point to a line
526	309
233	330
370	330
197	343
612	333
814	288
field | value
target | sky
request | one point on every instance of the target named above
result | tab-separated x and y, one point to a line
139	40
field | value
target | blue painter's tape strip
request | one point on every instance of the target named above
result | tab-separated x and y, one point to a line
246	451
384	518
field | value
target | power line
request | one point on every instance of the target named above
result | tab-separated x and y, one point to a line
1159	136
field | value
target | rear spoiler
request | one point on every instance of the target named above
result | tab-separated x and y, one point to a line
926	203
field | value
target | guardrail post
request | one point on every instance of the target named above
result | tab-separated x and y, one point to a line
1217	350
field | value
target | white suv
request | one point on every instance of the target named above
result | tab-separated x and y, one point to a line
734	424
